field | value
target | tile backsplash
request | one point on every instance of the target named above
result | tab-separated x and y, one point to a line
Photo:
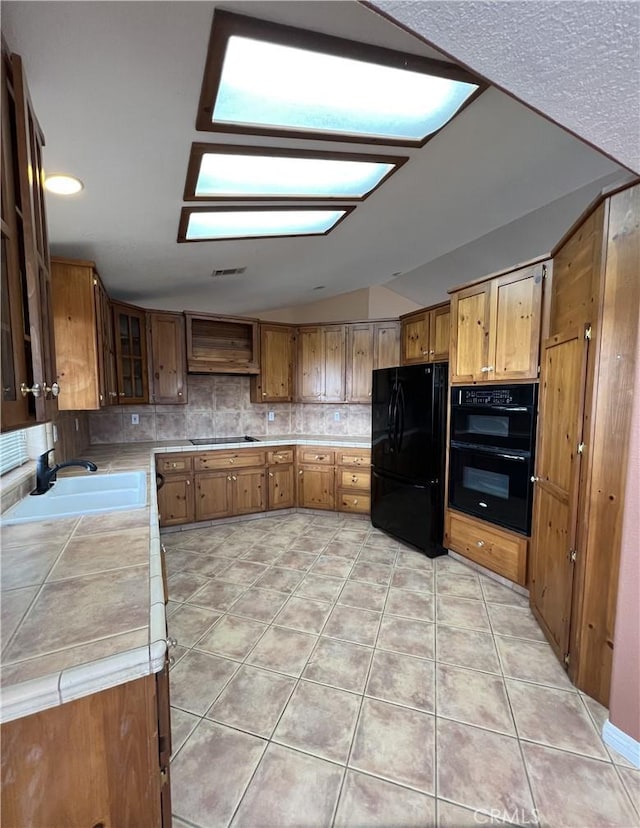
219	406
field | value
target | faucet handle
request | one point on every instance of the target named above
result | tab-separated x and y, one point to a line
45	455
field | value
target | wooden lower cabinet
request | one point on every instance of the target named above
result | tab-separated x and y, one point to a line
175	499
497	549
353	481
248	491
316	487
281	485
102	760
212	495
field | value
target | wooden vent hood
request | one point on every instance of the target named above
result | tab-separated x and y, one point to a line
221	344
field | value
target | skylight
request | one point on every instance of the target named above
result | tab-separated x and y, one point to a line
217	172
209	224
271	79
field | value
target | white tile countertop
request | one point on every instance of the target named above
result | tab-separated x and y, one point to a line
82	597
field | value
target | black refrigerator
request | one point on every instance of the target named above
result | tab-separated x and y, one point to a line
408	436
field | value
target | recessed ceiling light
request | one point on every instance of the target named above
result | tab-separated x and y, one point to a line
63	184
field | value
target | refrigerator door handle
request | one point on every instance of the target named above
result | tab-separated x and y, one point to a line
391	417
400	416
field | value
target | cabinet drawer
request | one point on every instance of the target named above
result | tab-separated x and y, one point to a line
316	455
280	456
500	551
360	457
357	479
212	460
350	502
174	463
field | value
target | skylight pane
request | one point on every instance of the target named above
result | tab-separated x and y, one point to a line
224	174
229	224
267	84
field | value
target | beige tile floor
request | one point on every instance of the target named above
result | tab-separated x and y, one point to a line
327	675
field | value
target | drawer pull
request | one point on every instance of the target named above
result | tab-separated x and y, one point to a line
319	456
479	543
354	479
355	502
232	460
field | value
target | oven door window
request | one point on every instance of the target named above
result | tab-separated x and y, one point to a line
486	426
492	485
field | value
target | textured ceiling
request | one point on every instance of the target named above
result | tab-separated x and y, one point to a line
576	62
116	86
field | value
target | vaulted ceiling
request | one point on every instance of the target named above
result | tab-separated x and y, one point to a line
116	89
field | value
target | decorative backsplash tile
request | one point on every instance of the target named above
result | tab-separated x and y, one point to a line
219	406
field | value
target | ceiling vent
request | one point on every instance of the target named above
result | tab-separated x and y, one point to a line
227	271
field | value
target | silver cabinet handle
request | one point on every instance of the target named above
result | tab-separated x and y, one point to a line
233	477
34	389
270	474
479	543
53	389
534	479
172	642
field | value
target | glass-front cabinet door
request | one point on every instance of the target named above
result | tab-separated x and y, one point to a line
131	354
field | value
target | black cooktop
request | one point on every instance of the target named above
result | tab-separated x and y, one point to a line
206	441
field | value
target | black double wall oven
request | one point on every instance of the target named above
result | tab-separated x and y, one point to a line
491	457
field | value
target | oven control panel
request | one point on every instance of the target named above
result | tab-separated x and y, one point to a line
494	395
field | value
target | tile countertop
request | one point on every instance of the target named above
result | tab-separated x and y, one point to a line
82	597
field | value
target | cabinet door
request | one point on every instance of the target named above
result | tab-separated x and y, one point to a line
515	324
281	485
168	360
311	368
29	144
131	352
316	489
213	495
335	337
75	316
249	491
359	362
275	381
439	333
415	339
470	333
107	346
175	500
386	344
16	369
556	494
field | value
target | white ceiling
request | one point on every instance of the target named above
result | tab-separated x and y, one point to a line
116	87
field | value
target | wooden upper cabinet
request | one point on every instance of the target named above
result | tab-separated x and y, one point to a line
168	359
370	345
275	381
495	327
359	362
130	330
17	410
321	363
415	338
221	344
439	333
386	344
83	334
425	335
29	378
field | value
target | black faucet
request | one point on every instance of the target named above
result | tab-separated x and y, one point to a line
46	474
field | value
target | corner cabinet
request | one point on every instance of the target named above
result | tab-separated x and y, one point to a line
130	328
495	327
29	379
425	335
370	345
168	365
275	381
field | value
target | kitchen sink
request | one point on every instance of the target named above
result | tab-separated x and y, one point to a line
87	494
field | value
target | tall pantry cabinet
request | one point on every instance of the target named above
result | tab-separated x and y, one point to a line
586	388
